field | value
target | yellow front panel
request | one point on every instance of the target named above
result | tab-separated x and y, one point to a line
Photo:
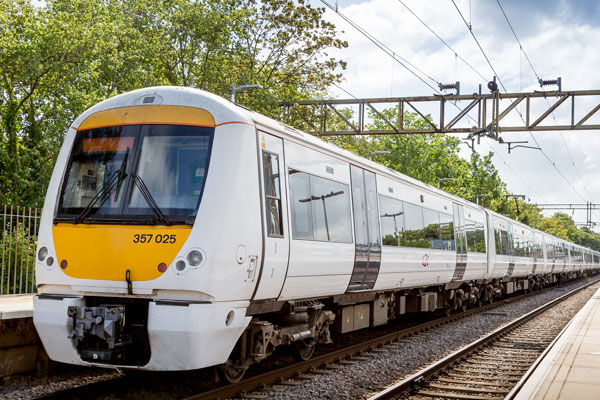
106	252
150	114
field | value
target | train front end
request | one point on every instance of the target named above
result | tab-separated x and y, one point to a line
144	246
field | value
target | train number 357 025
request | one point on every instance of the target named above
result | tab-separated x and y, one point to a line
149	238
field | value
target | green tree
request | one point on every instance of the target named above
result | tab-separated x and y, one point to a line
62	56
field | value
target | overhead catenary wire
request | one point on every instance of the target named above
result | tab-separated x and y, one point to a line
518	41
506	91
400	60
522	50
444	42
495	153
390	52
344	90
458	56
393	55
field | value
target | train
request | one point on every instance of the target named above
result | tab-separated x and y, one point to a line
182	231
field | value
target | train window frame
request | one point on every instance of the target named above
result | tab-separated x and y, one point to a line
383	224
475	233
312	209
124	213
446	244
274	197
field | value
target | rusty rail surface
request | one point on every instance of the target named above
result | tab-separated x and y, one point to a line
252	383
291	371
418	378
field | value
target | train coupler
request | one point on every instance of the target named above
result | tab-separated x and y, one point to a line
104	323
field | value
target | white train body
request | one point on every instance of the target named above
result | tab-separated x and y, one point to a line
325	233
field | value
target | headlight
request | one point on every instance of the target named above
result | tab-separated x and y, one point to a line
194	258
180	265
50	261
42	253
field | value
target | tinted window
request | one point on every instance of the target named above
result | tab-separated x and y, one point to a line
272	194
502	242
301	210
320	208
330	210
408	225
414	235
171	163
447	232
475	236
392	220
431	231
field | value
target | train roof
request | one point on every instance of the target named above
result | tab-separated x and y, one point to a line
225	111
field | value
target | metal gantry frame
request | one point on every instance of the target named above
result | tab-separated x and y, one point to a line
490	117
588	206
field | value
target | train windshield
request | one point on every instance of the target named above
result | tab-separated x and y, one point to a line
136	173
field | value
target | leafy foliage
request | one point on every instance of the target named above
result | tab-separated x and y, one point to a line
17	243
60	57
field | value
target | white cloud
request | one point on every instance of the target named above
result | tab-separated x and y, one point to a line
560	38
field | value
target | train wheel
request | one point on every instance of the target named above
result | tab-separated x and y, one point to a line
305	349
231	373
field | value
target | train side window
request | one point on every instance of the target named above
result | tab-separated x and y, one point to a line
447	232
272	194
431	231
330	210
301	220
475	236
414	235
392	221
320	208
501	236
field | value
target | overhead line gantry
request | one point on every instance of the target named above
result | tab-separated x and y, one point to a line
319	115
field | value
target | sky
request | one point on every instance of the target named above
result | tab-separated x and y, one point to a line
560	38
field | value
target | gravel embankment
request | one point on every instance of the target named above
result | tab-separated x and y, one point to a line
412	354
29	387
350	382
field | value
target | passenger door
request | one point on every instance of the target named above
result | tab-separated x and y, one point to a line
460	236
366	230
275	224
511	250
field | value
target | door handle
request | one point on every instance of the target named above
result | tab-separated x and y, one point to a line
251	271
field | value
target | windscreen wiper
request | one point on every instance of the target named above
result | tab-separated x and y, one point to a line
150	200
104	193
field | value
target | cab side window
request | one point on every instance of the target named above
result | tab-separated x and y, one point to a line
272	194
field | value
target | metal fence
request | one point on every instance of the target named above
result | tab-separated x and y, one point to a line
18	239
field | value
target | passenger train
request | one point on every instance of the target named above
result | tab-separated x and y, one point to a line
182	231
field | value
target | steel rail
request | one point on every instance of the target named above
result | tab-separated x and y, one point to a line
116	384
427	373
294	370
85	391
519	385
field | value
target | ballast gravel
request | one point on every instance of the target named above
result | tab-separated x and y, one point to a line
411	354
29	387
366	375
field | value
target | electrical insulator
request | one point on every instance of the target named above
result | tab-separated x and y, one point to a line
450	86
548	82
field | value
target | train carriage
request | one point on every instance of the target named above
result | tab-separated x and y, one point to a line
181	231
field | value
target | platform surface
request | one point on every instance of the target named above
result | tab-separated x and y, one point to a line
16	306
571	369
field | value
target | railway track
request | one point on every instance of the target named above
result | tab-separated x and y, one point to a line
291	374
488	368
